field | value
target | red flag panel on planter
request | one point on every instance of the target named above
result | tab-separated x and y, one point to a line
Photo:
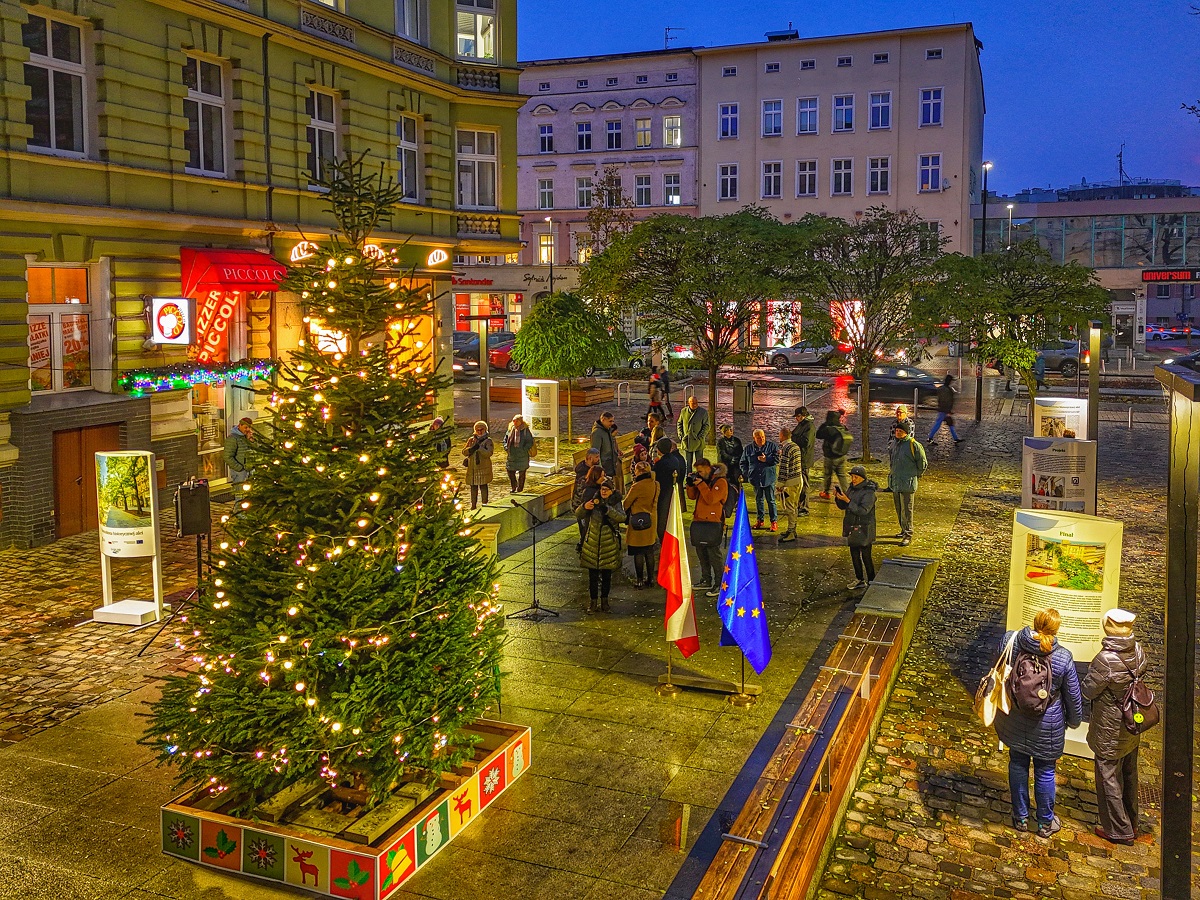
351	875
491	781
398	862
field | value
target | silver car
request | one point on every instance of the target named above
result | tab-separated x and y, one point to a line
801	354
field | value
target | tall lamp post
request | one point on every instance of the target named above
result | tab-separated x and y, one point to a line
1008	243
987	167
553	241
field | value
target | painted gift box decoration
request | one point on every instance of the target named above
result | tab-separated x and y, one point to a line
363	857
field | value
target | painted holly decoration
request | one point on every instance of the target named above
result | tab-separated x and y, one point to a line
355	877
223	848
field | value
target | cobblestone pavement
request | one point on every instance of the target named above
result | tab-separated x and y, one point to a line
929	816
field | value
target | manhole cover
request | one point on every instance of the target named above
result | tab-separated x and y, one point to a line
1149	795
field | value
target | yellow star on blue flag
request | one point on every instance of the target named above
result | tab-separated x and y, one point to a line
741	592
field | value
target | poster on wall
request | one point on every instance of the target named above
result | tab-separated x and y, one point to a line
1059	474
1060	417
127	503
1068	561
539	408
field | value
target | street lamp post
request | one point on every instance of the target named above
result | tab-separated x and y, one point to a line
553	241
1008	243
987	167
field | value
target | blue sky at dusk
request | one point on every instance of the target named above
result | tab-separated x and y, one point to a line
1066	82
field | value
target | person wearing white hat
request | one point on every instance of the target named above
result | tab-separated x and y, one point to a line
1120	660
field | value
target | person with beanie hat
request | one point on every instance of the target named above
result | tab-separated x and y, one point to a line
909	463
858	525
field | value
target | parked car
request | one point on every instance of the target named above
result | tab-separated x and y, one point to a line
896	383
641	351
1190	361
500	357
1167	332
801	354
466	349
1062	355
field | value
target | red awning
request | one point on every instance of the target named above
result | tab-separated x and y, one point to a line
228	270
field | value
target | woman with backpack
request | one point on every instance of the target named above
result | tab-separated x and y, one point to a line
602	516
1044	701
1119	663
641	533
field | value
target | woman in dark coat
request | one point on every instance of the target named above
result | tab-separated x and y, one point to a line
1039	740
670	470
729	454
858	524
602	516
1120	660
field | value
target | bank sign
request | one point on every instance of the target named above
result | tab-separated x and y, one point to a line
1170	276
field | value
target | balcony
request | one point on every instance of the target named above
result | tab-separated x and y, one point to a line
474	224
478	79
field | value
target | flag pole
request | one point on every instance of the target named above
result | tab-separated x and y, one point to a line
666	688
742	700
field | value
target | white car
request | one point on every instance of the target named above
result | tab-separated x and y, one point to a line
801	354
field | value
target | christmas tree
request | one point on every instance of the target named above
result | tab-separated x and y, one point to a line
350	630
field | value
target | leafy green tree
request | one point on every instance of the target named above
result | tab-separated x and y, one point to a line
862	279
350	633
610	214
1014	302
564	337
699	281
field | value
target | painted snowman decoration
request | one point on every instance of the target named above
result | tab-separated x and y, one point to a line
433	834
518	760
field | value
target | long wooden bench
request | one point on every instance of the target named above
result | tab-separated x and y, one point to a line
585	396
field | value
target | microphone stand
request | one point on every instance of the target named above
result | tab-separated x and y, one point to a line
534	612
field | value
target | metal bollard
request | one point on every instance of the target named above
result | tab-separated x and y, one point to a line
858	395
804	395
916	402
1130	424
1118	367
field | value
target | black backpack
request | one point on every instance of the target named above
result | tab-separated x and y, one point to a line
841	442
732	492
1030	683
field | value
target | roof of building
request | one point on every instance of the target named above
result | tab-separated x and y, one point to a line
604	57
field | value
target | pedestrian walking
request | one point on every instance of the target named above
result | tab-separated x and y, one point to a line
835	441
1115	748
709	487
729	454
670	470
664	377
478	456
602	516
759	462
1039	371
641	533
591	460
693	430
789	482
945	399
604	439
858	524
804	435
238	450
441	446
908	464
518	443
655	395
1045	700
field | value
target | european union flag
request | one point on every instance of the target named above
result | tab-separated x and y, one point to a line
743	619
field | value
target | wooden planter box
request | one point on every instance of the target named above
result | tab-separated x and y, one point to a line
342	866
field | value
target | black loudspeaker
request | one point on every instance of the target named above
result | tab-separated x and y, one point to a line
193	513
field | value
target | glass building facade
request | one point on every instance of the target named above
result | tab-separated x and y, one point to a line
1100	242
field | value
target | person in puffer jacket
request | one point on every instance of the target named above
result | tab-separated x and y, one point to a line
1040	739
602	516
1120	660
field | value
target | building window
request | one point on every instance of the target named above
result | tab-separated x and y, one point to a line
546	249
807	65
672	76
583	136
879	175
881	110
642	79
641	190
727	179
771	68
476	169
408	19
543	85
845	62
583	246
408	154
880	59
60	345
641	132
729	72
843	112
545	139
610	82
935	53
843	177
55	77
583	193
772	180
931	239
477	29
545	193
930	167
613	131
806	178
1189	292
931	106
772	118
729	122
672	189
205	112
672	131
322	134
806	115
1162	292
581	83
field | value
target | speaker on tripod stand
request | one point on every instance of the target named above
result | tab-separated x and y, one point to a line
193	518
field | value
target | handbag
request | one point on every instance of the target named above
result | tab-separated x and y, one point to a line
990	696
639	521
533	450
1139	711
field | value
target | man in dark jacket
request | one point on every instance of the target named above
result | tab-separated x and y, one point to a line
805	437
591	458
908	465
604	439
835	445
670	470
945	396
238	450
1120	660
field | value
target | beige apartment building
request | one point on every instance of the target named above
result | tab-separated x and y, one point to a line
836	125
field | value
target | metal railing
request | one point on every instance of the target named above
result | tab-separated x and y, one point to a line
628	396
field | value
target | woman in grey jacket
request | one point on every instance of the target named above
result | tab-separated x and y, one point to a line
1120	660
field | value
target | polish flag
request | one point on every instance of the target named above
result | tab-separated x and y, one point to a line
675	575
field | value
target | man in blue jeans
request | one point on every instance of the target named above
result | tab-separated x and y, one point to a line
945	400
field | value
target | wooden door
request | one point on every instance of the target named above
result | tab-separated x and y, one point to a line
75	476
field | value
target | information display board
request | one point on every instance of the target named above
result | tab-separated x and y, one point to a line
539	407
1061	417
127	502
1059	474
